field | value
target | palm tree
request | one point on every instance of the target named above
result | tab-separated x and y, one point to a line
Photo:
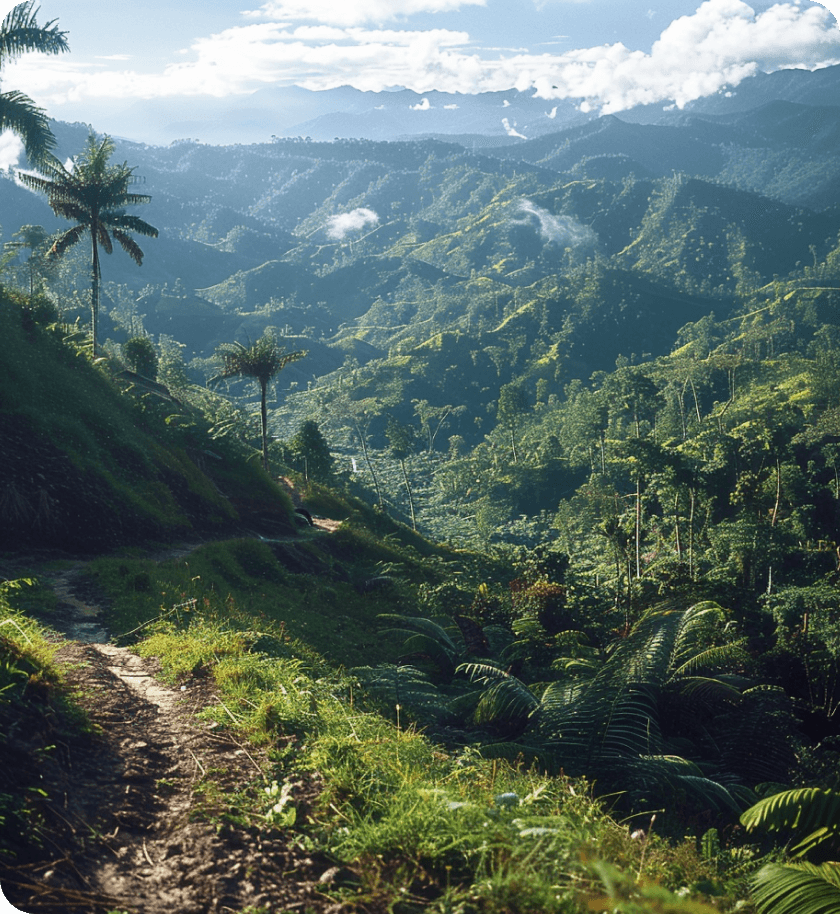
260	362
19	33
93	194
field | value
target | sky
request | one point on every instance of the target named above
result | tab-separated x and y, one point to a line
608	54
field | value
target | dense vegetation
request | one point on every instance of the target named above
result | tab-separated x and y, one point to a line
577	402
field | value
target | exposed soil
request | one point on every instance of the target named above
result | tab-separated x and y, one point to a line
134	809
137	813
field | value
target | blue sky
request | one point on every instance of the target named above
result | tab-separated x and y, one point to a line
611	54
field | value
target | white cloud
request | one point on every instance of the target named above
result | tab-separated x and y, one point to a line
11	150
424	105
512	131
344	223
356	12
716	47
561	230
720	44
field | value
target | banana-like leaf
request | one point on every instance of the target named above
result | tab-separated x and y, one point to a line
797	889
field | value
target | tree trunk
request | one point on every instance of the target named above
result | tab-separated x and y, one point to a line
638	526
264	423
368	461
410	497
94	292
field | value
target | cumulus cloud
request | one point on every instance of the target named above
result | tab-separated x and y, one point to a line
341	225
424	105
714	48
560	230
356	12
720	44
511	130
11	150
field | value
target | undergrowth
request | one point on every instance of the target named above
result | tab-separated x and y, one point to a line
413	826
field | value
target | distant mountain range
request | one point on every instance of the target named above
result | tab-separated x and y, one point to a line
347	112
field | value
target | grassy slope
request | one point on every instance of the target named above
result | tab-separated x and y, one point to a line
84	468
278	623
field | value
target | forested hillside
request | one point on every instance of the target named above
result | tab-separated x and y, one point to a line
577	402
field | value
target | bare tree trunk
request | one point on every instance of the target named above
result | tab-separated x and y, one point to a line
677	537
638	526
264	424
410	497
363	439
94	293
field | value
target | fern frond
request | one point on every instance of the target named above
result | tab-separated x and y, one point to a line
797	889
810	811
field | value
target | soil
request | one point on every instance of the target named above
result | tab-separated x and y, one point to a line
137	811
134	824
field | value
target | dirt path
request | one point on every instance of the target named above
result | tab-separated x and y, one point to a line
139	812
135	808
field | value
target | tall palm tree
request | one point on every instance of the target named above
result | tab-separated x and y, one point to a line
93	194
260	362
19	33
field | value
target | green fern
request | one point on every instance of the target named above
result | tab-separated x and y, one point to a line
800	888
810	810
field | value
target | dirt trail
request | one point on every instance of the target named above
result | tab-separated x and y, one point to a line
135	810
137	826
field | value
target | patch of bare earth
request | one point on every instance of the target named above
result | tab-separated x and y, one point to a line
131	808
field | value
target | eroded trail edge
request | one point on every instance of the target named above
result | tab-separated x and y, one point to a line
142	803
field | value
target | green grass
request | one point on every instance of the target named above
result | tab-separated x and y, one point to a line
84	462
36	712
299	588
416	826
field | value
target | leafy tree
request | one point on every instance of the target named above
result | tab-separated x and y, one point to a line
33	238
19	33
434	418
93	194
140	354
310	447
513	404
259	362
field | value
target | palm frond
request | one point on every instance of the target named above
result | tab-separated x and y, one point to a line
507	701
130	223
129	245
419	625
797	889
20	32
809	811
66	240
403	685
22	116
680	775
724	656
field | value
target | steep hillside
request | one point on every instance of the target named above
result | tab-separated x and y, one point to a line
84	466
